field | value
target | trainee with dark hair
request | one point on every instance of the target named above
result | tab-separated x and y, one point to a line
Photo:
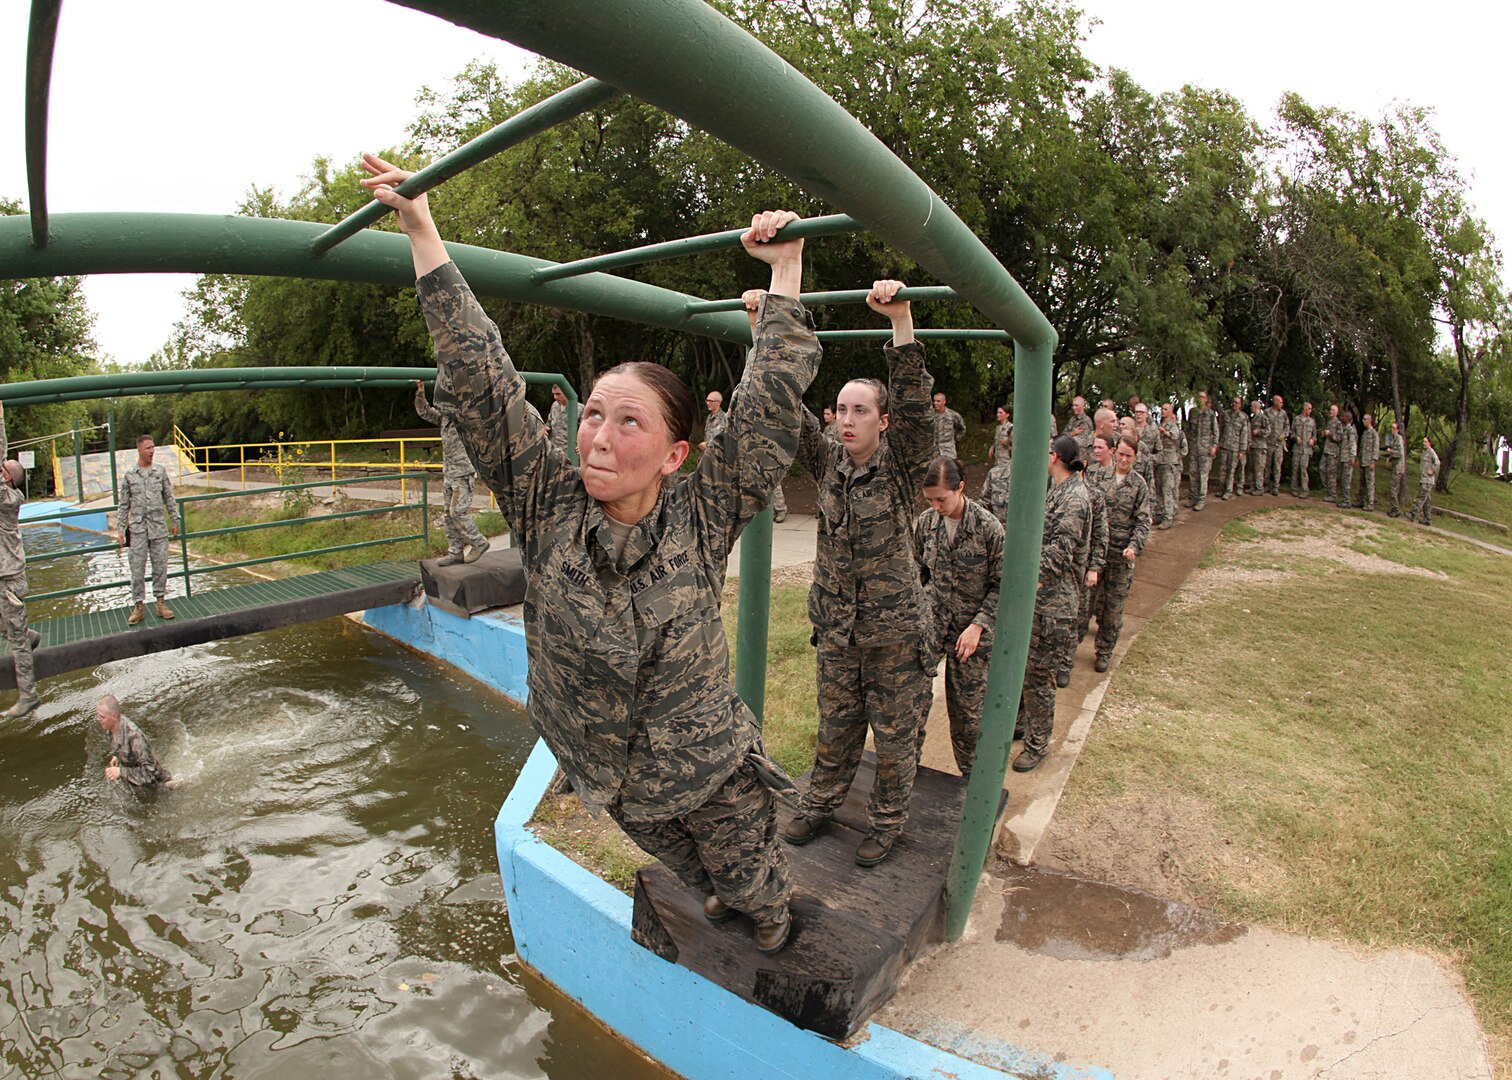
867	604
1127	499
625	558
960	547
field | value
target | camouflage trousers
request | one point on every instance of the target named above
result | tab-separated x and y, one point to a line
1367	486
1259	469
1423	508
1086	601
886	689
1144	465
1047	648
779	502
965	693
1398	490
1330	471
458	522
1346	483
1301	458
138	552
1229	463
727	847
1167	479
1277	469
1112	591
13	612
1197	479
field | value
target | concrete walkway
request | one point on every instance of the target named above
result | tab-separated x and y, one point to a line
1054	972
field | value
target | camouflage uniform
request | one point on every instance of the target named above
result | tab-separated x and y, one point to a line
1064	549
1280	427
145	510
868	606
1002	442
1204	439
1428	470
1331	440
1304	430
964	572
1128	510
1370	453
715	426
13	585
1097	554
1149	450
557	421
948	427
457	477
996	489
1167	471
133	753
832	431
629	674
1349	446
1396	454
1233	444
1259	451
1054	427
1082	430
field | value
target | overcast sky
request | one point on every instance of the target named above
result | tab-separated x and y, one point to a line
174	105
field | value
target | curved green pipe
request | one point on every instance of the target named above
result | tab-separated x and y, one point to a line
132	243
41	38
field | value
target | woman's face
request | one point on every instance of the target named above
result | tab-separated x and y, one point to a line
946	501
623	441
861	424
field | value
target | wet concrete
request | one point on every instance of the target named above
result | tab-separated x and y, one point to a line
1071	918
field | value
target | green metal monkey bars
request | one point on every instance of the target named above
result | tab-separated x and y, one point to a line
688	59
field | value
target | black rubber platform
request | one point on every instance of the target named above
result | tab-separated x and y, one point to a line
96	637
494	581
855	930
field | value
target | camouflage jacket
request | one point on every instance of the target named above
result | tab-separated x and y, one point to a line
1428	467
1094	477
629	675
1304	429
1234	432
1334	437
454	462
1370	445
1279	424
1169	436
147	504
133	753
997	487
557	421
12	556
1082	430
1396	452
1129	509
1054	427
1259	425
1349	443
714	423
832	431
948	427
964	572
1149	449
1064	547
1002	440
1204	429
867	589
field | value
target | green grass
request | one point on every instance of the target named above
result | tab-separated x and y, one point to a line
308	535
1347	734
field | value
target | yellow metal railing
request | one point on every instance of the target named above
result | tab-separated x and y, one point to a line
281	455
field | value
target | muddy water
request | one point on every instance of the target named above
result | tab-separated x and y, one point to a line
318	898
1070	918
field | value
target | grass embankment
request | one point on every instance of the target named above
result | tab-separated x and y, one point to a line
1479	496
1314	734
791	724
307	535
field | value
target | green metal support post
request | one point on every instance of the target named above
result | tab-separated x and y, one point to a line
78	465
41	39
115	487
755	609
183	538
425	511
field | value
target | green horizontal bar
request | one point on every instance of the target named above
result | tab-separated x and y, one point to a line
302	554
61	514
845	296
299	521
299	487
923	335
49	556
559	107
830	225
124	582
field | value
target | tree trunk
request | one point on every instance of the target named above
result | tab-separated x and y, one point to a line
1396	387
1466	364
587	350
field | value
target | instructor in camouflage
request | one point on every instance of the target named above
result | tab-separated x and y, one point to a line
145	519
465	542
625	559
1304	432
949	428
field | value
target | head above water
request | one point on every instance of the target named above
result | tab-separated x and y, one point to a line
862	412
108	712
633	433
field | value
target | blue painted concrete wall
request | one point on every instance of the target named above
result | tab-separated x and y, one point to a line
32	510
490	648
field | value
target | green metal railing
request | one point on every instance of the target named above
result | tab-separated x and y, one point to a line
187	572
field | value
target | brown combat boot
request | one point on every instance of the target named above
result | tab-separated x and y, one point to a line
717	911
476	552
138	613
770	937
451	558
801	830
873	850
163	610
